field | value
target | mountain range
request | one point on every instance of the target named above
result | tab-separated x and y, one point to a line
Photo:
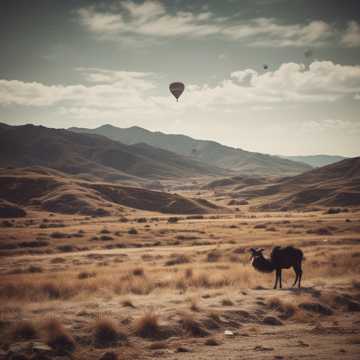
93	156
209	152
316	160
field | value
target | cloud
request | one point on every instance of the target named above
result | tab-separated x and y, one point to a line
107	89
151	19
267	32
110	93
330	125
351	37
127	79
148	18
323	81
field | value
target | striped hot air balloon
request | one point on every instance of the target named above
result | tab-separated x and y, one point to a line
177	88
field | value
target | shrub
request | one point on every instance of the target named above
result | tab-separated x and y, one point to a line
106	238
138	271
173	220
177	260
106	333
213	256
132	231
66	248
105	231
128	303
227	302
212	342
192	327
195	217
58	235
320	231
147	326
333	211
58	337
24	330
34	269
86	275
286	309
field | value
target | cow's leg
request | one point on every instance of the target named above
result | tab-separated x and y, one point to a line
300	276
276	278
296	277
280	278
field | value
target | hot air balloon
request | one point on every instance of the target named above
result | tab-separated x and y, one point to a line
308	53
176	88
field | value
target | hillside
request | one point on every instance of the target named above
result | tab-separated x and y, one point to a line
332	185
43	189
316	160
210	152
93	157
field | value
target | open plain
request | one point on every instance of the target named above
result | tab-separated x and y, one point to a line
144	284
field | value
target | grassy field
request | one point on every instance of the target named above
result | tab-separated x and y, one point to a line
179	287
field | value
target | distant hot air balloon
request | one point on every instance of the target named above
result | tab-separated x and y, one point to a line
177	88
308	53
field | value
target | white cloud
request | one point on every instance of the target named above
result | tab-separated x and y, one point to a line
108	89
147	18
351	37
152	19
127	79
113	92
321	82
267	32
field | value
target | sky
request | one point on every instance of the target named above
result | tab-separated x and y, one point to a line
90	63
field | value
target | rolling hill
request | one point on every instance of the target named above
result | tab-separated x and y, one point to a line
44	189
210	152
332	185
92	156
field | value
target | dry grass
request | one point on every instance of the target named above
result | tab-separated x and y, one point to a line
286	309
147	326
226	302
214	256
194	304
158	345
58	337
24	330
139	271
118	279
106	333
192	327
177	259
86	275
